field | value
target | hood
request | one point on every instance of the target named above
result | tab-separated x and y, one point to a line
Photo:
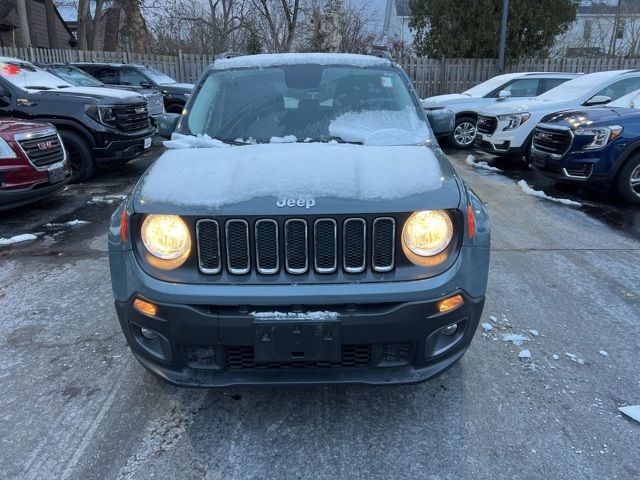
11	126
97	93
178	87
594	116
297	179
529	105
442	100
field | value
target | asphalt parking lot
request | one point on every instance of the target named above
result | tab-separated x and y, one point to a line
564	285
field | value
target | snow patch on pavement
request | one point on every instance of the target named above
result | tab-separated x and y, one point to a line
603	353
540	194
524	355
106	199
575	358
514	338
534	333
632	411
487	327
71	223
24	237
471	160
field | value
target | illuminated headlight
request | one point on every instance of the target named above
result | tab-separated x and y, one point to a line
515	120
601	136
167	238
5	150
104	114
426	234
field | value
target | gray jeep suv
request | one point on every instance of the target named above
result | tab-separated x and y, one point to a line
303	228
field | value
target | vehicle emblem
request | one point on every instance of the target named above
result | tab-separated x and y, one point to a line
140	110
544	135
296	202
46	145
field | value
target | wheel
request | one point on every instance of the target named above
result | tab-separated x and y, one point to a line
464	133
627	183
79	156
175	108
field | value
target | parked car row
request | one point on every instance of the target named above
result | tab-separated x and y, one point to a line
583	130
59	123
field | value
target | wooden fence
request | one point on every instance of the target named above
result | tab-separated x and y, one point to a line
431	76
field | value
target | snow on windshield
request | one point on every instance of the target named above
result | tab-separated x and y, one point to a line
490	85
631	100
576	88
269	60
380	128
217	177
27	75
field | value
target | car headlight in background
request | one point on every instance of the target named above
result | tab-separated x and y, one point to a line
5	150
167	238
515	120
601	136
426	235
104	114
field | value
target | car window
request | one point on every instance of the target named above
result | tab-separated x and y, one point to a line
620	88
524	87
130	76
106	75
549	83
76	76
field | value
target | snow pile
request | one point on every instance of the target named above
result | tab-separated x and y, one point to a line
540	194
514	338
25	237
524	355
179	140
471	160
575	358
271	60
632	411
285	139
382	127
319	315
487	327
217	177
106	199
72	223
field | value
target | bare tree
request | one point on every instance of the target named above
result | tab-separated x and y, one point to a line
279	19
50	13
23	20
135	25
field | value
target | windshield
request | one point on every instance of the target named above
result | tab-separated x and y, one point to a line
76	76
490	85
158	77
576	88
28	76
304	103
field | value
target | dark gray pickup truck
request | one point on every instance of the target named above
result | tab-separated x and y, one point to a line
303	228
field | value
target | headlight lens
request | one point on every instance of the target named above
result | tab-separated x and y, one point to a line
5	150
601	136
166	237
427	233
105	114
515	120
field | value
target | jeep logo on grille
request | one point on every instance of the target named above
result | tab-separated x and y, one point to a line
296	202
46	145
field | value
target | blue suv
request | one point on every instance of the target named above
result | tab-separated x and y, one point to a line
597	145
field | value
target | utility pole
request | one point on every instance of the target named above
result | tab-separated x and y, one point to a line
503	35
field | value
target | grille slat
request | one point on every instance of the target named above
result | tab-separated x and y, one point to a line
237	239
486	125
44	150
296	249
280	244
354	245
132	117
325	245
353	356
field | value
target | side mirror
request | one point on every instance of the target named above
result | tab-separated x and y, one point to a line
504	94
167	123
442	121
597	100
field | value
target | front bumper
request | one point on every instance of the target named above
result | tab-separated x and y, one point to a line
17	198
501	147
116	149
381	343
574	166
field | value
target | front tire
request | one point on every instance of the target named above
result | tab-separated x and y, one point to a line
627	184
78	155
464	133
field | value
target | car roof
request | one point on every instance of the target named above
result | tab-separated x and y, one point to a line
279	59
550	74
110	64
12	59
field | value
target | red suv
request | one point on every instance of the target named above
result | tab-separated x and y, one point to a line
33	162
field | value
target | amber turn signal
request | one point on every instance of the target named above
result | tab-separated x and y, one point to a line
450	303
145	308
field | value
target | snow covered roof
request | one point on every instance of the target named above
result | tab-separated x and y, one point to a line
274	59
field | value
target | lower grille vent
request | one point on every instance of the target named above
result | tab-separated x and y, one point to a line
353	356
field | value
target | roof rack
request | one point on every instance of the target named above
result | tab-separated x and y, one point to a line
223	55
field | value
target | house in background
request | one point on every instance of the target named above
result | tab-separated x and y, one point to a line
36	15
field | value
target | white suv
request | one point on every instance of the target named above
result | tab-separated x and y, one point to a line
506	130
502	88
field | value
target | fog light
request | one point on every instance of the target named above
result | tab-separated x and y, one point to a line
449	329
450	303
145	308
149	334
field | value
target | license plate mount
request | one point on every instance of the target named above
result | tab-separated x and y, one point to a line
57	173
147	143
539	160
297	341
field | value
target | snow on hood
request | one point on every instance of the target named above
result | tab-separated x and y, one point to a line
442	100
529	105
270	60
178	140
375	128
217	177
101	91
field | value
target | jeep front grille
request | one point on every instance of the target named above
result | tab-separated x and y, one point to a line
296	245
42	148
